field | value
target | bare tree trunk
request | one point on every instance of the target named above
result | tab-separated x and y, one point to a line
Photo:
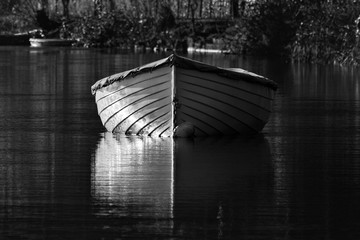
242	7
200	8
149	8
189	8
112	5
156	8
45	6
210	8
56	5
65	4
97	7
178	8
193	7
234	8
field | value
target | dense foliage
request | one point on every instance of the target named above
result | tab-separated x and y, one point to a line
265	27
103	30
123	28
321	30
329	35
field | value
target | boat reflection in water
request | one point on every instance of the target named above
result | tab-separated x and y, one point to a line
132	181
179	187
223	187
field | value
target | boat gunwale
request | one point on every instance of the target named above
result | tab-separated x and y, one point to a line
51	40
186	63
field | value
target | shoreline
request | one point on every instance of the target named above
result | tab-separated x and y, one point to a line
206	50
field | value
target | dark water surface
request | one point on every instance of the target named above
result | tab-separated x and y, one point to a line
63	177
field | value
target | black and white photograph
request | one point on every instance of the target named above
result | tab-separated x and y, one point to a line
179	120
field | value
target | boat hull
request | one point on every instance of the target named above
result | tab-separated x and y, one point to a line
218	105
140	105
174	99
49	42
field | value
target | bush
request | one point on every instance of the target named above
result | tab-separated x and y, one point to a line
123	29
326	33
111	29
319	31
14	24
266	27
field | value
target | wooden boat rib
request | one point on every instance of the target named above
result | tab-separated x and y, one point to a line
177	96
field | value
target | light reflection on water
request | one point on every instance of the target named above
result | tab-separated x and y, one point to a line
62	177
130	173
176	183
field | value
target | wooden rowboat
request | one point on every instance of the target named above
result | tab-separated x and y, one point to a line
180	97
50	42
